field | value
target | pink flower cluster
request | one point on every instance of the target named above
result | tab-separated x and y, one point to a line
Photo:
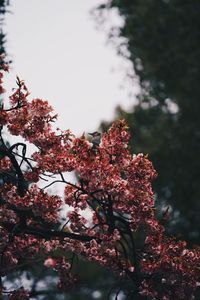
111	201
21	294
39	202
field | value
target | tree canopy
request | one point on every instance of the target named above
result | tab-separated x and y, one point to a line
107	207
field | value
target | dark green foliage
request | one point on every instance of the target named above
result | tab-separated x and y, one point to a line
3	9
163	40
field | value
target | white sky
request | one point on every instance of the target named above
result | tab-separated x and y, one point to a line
56	49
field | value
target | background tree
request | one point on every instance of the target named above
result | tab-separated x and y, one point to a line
163	39
3	9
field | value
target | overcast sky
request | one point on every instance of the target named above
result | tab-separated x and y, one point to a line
57	50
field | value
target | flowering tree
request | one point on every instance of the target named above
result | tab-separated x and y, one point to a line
113	189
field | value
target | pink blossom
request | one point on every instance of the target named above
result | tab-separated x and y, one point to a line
50	263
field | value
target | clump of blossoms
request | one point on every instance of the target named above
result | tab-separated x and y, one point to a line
113	185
